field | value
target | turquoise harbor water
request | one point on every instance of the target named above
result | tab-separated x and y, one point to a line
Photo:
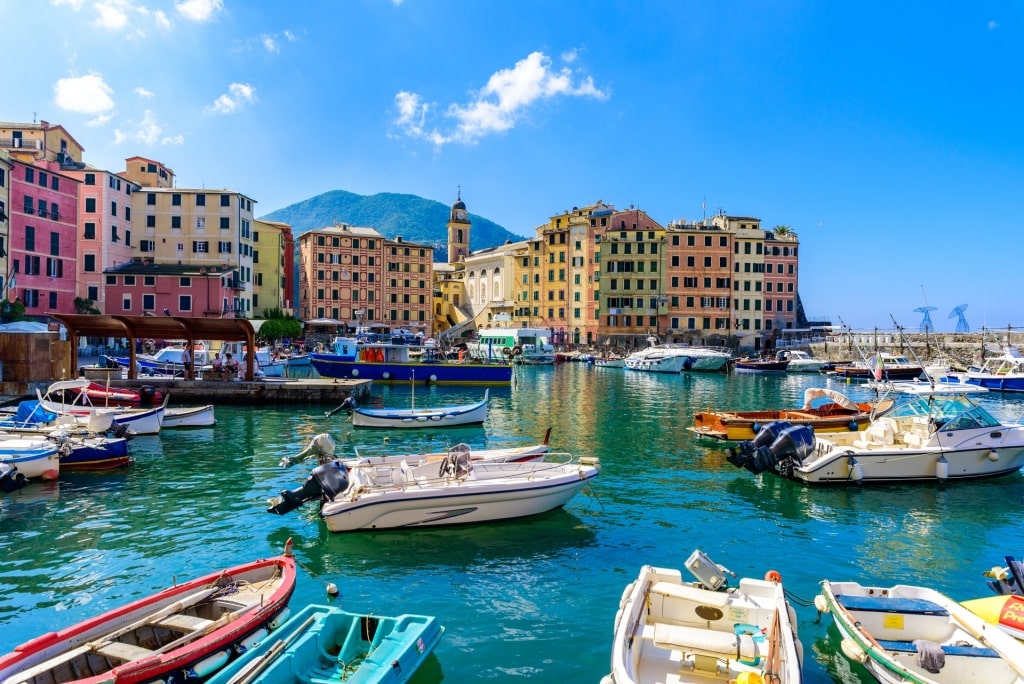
528	600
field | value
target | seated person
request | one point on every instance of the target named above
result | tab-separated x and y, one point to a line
218	363
230	363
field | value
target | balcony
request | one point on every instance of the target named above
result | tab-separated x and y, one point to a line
20	144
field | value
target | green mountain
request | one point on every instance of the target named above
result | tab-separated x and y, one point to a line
412	218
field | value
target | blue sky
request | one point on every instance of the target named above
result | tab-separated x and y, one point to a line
887	135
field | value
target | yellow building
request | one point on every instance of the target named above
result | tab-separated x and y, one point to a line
272	267
32	142
204	228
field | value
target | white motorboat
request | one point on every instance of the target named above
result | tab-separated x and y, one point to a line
674	358
924	438
189	416
800	361
915	634
669	630
1003	372
455	491
138	421
413	417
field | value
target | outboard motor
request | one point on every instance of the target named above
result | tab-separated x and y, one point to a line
742	454
327	480
146	394
791	447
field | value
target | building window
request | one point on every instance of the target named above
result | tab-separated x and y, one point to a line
90	231
176	222
90	205
225	222
90	179
225	200
151	199
148	302
89	262
184	302
176	199
200	200
126	303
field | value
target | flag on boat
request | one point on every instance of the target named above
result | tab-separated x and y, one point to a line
879	367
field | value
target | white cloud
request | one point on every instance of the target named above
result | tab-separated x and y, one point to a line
146	132
198	10
144	93
238	95
113	14
270	45
100	120
160	17
84	94
290	36
993	25
508	96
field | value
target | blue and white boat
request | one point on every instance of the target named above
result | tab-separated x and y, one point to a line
411	418
33	457
405	364
326	643
1002	373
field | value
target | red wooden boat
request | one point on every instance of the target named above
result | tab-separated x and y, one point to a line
105	395
183	632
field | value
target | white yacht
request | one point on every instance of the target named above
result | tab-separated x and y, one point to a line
673	358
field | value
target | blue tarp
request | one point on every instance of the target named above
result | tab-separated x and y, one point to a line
31	412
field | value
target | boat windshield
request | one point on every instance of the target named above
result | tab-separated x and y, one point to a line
952	411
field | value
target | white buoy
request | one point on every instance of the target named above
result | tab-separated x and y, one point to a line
332	589
993	455
942	469
355	372
856	470
821	604
852	651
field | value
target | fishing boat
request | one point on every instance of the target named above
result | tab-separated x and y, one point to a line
670	630
748	365
404	363
187	631
521	345
456	491
33	457
413	417
923	438
800	361
609	361
915	634
1003	372
825	409
188	416
881	366
326	643
91	452
138	421
170	360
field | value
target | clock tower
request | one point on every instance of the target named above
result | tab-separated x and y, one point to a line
458	232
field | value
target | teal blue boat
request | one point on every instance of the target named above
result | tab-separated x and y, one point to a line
327	644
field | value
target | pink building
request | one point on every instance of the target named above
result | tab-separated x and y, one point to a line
141	287
43	229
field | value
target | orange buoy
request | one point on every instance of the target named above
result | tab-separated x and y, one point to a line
773	576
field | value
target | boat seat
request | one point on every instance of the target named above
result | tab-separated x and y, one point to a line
122	651
184	623
950	650
707	642
684	591
889	604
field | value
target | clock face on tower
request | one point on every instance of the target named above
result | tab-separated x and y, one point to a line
460	214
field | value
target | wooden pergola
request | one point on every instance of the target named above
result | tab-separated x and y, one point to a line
135	328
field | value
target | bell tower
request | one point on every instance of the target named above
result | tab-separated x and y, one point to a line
458	231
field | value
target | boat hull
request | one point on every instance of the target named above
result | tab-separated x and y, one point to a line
333	366
743	425
513	490
669	630
997	383
196	416
886	466
261	591
35	458
407	419
880	625
101	453
363	648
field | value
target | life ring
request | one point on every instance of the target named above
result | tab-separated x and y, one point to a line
773	576
517	350
507	351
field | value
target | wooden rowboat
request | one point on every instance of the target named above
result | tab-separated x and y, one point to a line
185	631
836	413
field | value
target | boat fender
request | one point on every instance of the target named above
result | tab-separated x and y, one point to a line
942	469
853	427
252	640
856	470
821	604
432	378
386	375
355	372
208	665
279	619
773	576
854	652
993	455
